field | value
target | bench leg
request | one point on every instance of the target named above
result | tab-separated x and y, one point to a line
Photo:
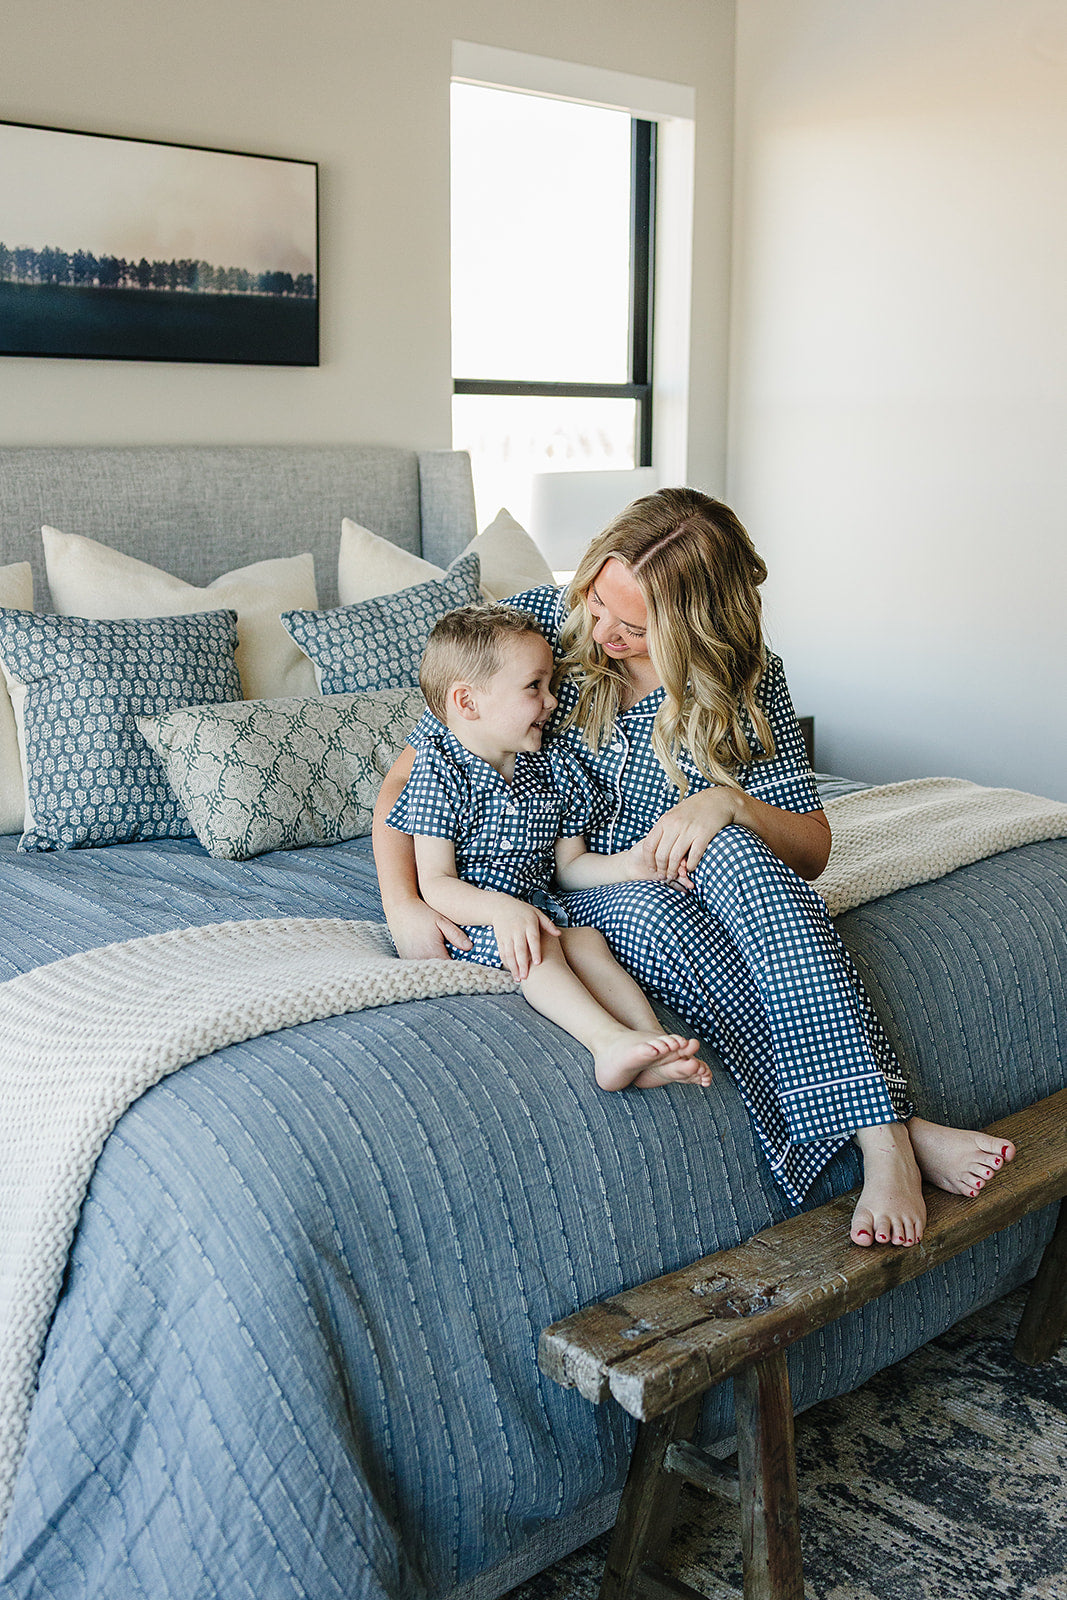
1044	1319
767	1472
649	1502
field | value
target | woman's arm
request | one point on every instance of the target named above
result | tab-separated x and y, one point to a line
418	930
682	834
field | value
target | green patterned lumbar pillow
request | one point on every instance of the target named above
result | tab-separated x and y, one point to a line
274	774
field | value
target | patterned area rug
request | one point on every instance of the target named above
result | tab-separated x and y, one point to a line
943	1478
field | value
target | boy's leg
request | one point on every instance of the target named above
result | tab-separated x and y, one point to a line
624	1056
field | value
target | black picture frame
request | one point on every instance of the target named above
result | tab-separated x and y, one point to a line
122	249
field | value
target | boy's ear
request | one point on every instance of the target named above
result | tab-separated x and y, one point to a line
461	700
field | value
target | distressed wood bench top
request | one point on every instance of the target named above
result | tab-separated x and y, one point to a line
653	1347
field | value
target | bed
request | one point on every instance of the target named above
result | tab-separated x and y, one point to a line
294	1352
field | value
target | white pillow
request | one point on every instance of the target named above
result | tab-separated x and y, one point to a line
369	566
511	562
16	591
88	579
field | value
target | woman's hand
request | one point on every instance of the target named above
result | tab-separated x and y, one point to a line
519	928
799	838
419	932
680	837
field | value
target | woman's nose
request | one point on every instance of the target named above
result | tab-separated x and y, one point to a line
602	629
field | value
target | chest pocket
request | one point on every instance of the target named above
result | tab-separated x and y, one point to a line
512	826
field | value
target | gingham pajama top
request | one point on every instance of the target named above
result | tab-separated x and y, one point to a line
750	960
504	833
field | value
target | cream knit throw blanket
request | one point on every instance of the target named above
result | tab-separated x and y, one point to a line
81	1038
903	833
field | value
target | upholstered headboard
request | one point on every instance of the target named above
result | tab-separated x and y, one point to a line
198	510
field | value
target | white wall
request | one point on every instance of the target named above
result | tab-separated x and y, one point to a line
898	441
361	86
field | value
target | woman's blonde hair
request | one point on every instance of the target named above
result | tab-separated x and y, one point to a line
700	574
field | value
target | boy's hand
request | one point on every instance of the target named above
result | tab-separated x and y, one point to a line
518	928
639	863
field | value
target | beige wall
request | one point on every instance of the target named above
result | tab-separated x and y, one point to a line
899	387
361	86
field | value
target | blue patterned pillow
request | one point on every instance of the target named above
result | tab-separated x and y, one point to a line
377	644
77	687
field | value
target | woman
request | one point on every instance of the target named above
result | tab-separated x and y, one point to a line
668	691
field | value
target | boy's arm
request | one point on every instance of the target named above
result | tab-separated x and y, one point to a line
442	888
518	926
578	867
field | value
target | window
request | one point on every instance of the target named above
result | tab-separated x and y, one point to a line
554	260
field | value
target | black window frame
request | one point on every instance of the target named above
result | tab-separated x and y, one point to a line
643	144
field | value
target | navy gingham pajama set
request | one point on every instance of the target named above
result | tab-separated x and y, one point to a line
749	959
504	833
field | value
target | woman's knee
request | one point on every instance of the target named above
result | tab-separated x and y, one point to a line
738	860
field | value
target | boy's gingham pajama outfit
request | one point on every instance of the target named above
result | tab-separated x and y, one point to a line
749	959
504	833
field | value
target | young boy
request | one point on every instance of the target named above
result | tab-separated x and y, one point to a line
494	818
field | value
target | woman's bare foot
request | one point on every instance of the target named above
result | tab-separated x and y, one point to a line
646	1061
957	1159
890	1209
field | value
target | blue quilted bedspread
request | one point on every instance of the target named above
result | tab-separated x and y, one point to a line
296	1351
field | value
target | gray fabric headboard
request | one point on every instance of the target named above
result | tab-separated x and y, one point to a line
198	511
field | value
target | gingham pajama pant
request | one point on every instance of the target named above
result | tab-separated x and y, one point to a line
750	960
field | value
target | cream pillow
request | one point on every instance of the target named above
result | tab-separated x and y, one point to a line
88	579
511	562
16	591
369	566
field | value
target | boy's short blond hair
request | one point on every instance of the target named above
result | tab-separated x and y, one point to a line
465	646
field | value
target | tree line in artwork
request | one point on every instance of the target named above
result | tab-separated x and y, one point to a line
81	269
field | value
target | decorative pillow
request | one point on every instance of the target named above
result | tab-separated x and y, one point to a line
378	643
16	590
368	566
76	687
510	561
88	579
275	774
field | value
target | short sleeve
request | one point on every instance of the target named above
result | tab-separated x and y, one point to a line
435	798
785	780
587	803
548	607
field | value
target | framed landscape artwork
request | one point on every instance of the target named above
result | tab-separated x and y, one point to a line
138	250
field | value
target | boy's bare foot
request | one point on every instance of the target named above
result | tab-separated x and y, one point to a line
957	1159
646	1061
890	1209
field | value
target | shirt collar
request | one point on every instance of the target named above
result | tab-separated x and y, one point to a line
528	764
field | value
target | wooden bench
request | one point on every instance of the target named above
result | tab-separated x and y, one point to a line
657	1349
